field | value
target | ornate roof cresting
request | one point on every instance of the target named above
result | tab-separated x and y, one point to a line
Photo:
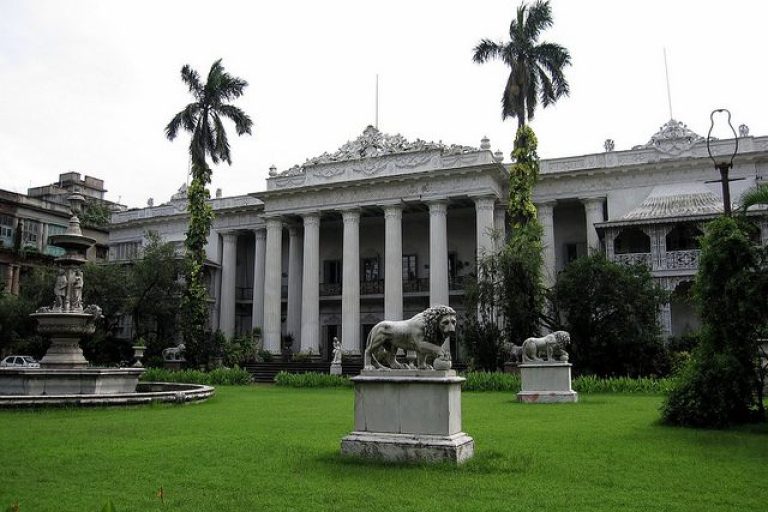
673	138
373	143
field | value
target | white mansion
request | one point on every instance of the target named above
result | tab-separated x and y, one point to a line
385	227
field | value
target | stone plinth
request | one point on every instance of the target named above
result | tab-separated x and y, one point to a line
408	415
335	368
546	383
75	381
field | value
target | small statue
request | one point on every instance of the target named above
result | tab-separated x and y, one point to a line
552	346
174	353
513	353
336	351
77	291
60	291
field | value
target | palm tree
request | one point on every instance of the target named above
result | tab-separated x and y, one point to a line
203	119
755	195
536	69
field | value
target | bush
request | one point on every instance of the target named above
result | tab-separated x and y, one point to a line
719	385
491	381
311	380
301	357
611	335
218	377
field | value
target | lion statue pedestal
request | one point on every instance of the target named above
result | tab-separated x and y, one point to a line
408	415
545	372
410	412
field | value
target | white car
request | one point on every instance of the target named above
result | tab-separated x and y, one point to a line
19	362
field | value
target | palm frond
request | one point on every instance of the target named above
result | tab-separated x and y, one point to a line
242	121
221	144
531	90
511	100
539	19
190	77
486	50
753	196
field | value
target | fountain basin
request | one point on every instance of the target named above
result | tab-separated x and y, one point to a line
146	393
68	381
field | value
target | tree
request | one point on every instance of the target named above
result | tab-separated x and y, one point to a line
720	385
611	311
508	295
535	69
203	119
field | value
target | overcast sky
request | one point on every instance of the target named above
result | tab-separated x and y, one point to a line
88	86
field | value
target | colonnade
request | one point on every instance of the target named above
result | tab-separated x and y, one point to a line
303	308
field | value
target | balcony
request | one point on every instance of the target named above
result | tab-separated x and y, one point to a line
682	260
633	258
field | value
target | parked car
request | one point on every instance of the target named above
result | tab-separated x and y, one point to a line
19	362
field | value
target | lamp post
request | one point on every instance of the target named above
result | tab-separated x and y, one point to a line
723	165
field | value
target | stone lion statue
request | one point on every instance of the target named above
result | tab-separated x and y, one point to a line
174	353
425	333
552	346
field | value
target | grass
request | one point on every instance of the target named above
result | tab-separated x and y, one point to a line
277	449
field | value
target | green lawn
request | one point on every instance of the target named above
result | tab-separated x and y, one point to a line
263	448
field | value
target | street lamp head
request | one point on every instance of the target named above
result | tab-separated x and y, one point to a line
722	163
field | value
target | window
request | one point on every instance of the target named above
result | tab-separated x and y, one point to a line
332	271
124	251
6	228
409	267
55	229
30	232
370	269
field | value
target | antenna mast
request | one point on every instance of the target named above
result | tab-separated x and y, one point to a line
669	93
377	101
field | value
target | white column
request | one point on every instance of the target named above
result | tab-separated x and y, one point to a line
310	305
295	250
350	283
500	226
257	315
273	284
228	274
484	224
593	210
545	211
438	253
393	262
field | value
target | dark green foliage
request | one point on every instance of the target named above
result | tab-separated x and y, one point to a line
535	69
203	119
720	386
311	380
95	215
611	311
218	377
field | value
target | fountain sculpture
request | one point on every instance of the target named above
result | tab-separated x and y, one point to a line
65	376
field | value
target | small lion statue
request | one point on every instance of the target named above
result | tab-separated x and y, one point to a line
425	333
174	353
552	346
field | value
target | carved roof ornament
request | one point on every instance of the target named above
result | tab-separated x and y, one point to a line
673	138
373	143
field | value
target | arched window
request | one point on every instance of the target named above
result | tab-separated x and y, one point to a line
684	237
632	240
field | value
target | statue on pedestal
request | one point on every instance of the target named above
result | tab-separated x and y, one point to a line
552	346
336	351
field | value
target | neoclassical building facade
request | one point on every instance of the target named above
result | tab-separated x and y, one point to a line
385	227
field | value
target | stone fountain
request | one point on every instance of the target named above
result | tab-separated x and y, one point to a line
64	370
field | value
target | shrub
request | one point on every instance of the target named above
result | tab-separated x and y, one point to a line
301	357
491	381
218	377
311	380
610	334
719	385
